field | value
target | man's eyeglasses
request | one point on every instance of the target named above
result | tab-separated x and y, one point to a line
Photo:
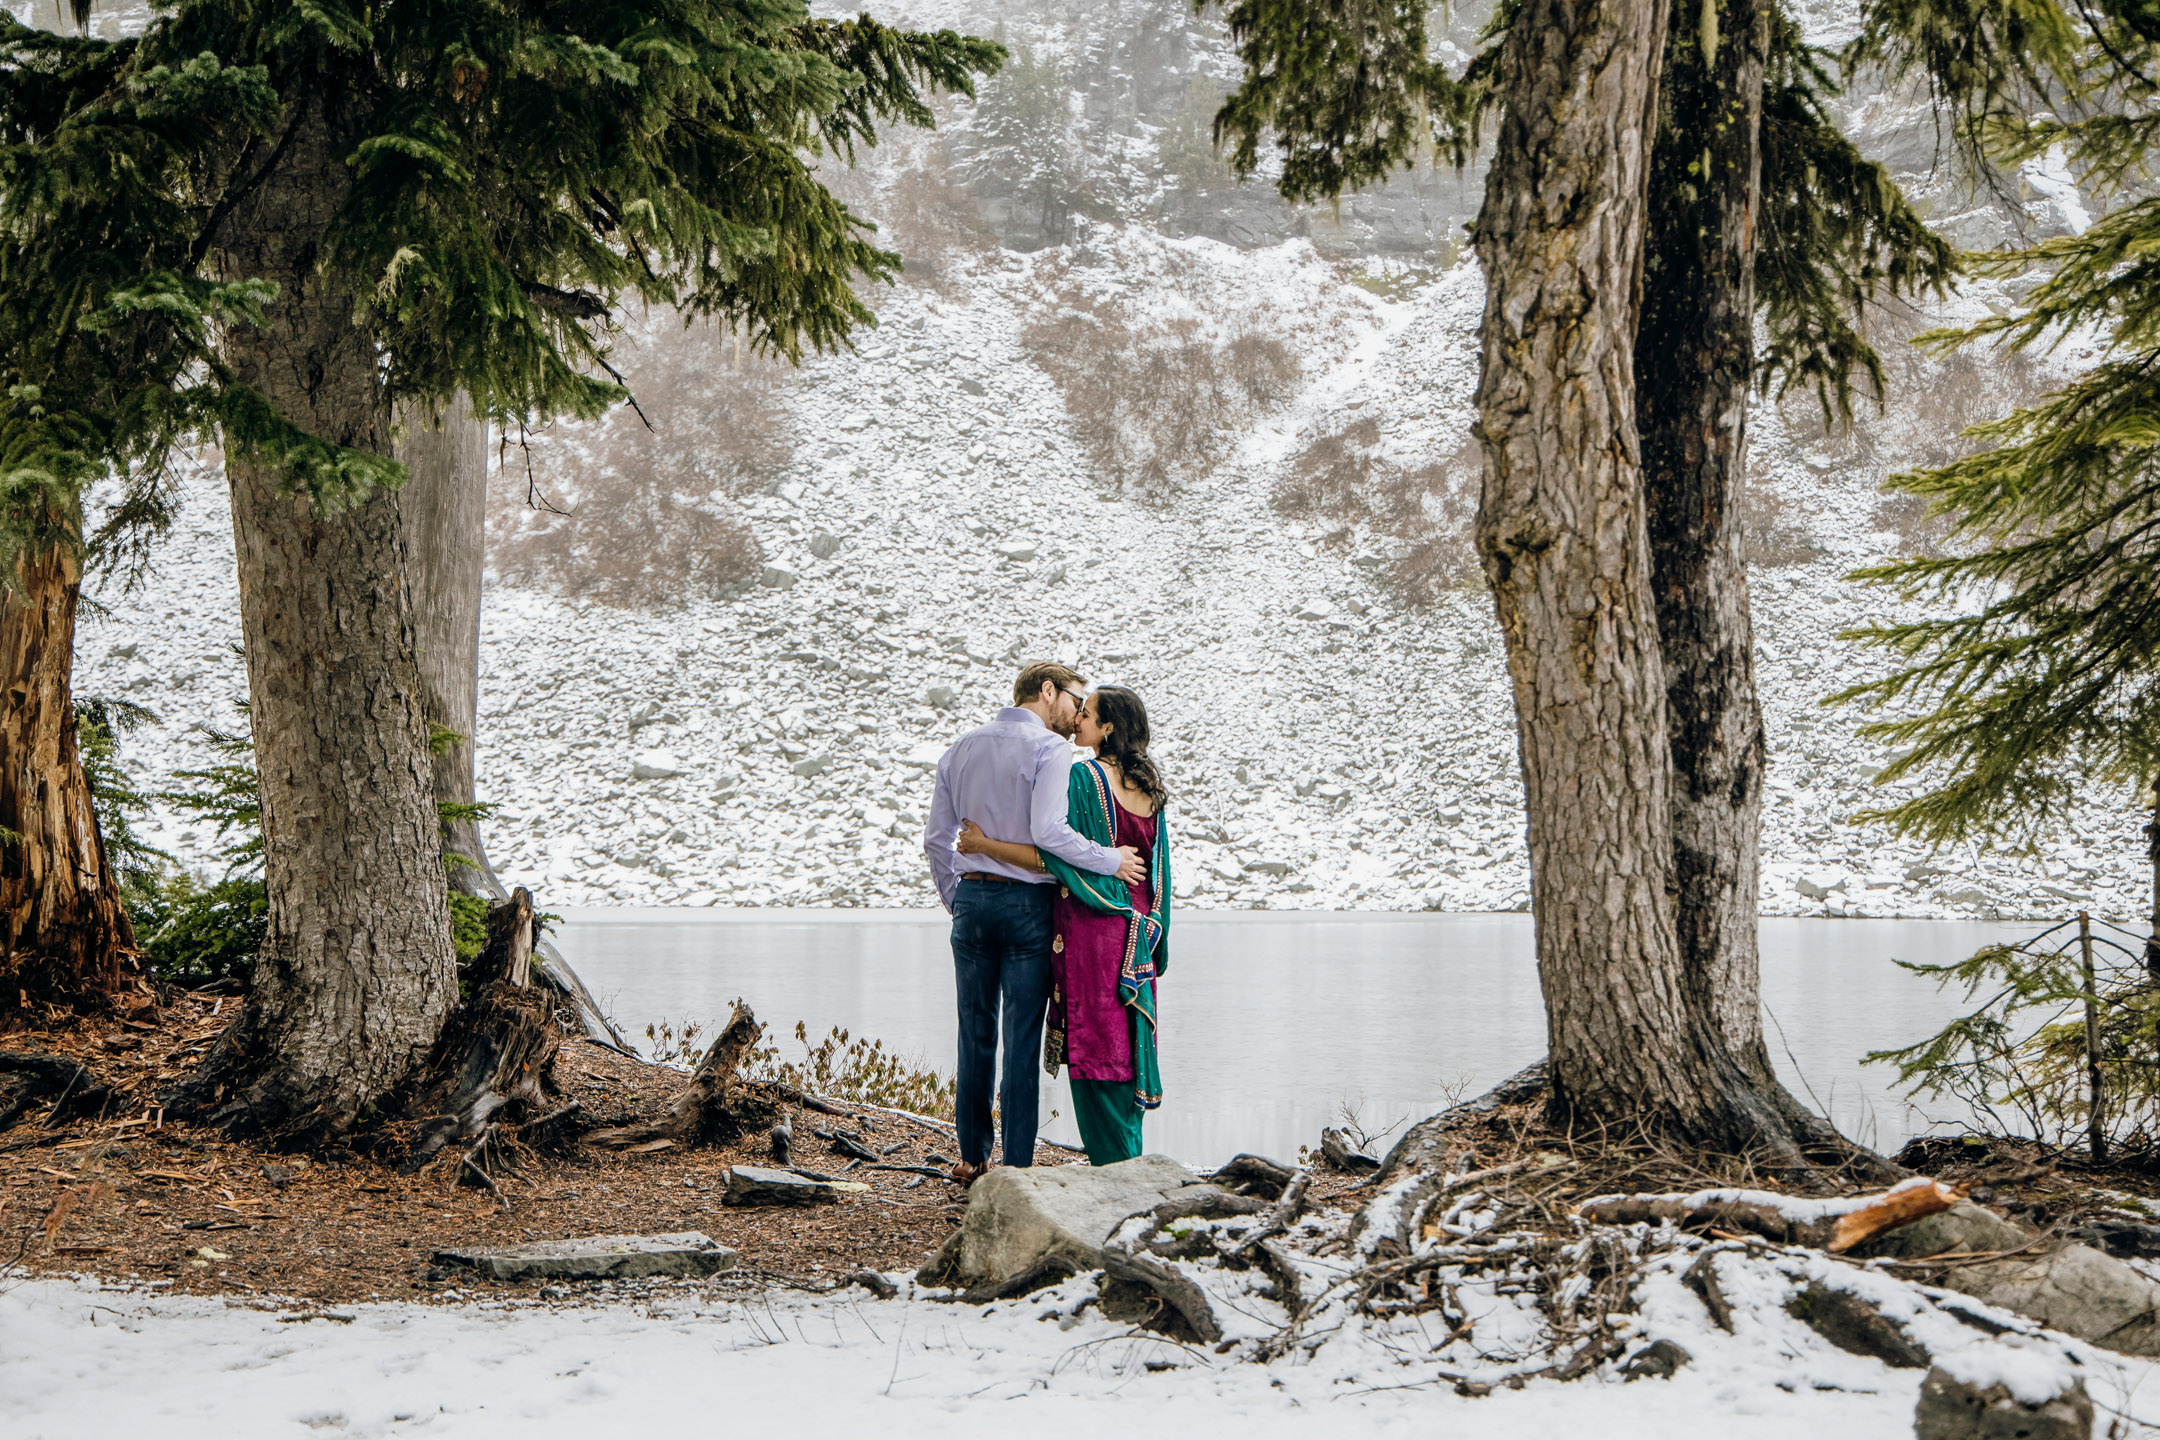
1079	700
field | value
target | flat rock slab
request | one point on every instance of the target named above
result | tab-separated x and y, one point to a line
599	1257
754	1185
1032	1225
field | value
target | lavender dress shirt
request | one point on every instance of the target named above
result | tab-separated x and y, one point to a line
1010	778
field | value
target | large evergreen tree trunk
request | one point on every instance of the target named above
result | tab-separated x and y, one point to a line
63	934
357	972
1562	531
446	506
1694	364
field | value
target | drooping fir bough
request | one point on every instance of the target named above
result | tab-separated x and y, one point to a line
337	212
2039	667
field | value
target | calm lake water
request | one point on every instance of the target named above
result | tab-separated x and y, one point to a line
1271	1021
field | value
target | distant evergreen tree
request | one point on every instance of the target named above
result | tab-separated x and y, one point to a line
286	219
2046	671
1025	154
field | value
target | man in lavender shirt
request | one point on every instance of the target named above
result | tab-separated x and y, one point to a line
1009	777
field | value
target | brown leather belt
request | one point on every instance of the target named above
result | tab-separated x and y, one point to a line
994	879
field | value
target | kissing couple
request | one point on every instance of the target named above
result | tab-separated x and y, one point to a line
1055	868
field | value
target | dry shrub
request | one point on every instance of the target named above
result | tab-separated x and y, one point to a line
1771	536
920	211
1423	516
1155	402
636	516
1919	534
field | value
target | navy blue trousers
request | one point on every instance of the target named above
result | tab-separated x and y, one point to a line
1001	968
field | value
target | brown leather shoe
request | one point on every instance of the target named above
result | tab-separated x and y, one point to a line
965	1173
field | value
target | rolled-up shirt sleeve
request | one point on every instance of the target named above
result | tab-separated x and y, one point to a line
1047	825
940	833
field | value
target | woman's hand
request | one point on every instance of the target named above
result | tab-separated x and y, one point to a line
971	838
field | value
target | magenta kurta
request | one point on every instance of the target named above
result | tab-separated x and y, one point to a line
1085	957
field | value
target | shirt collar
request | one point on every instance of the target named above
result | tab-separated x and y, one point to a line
1017	714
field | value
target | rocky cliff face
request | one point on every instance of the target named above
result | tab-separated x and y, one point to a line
943	515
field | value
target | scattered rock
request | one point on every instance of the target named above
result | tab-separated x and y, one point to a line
824	545
942	697
654	765
1344	1154
1813	891
2067	1287
1016	550
2124	1239
1315	610
754	1185
279	1175
972	387
815	765
597	1257
857	420
1267	867
1656	1361
1028	1227
875	1283
1976	1406
775	578
1976	898
1852	1324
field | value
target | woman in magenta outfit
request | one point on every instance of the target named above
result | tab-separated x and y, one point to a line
1111	940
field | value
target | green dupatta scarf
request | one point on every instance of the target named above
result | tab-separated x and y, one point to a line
1090	809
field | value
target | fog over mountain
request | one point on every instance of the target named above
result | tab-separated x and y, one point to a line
1123	411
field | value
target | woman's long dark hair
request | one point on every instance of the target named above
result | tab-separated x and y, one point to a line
1127	742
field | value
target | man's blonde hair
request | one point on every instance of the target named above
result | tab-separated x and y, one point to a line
1030	683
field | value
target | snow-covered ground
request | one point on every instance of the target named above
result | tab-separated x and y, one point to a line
78	1359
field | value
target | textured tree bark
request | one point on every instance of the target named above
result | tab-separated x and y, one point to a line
1562	532
357	972
63	934
1694	362
446	506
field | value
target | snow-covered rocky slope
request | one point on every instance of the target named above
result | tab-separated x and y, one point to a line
1328	750
940	523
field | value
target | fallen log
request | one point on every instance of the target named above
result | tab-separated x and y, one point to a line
1833	1225
1180	1309
701	1110
1343	1153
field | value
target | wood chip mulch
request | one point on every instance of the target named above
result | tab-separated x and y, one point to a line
132	1197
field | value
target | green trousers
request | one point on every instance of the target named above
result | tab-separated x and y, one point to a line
1109	1117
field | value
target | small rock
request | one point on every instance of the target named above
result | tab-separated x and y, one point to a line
824	545
1813	891
654	765
924	756
859	420
1315	610
1923	872
815	765
1955	1408
942	697
1852	1324
775	578
597	1257
1975	898
972	387
1016	550
754	1185
1267	867
278	1175
1656	1361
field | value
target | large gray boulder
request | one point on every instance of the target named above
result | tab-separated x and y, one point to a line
2068	1287
597	1257
1031	1227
